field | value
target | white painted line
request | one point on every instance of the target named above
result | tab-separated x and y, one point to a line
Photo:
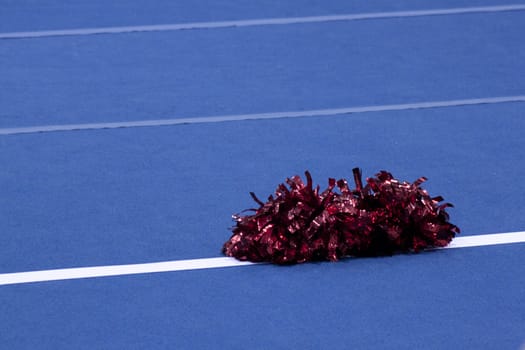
208	263
260	22
118	270
489	239
258	116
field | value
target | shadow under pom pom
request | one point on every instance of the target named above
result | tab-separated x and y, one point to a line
300	223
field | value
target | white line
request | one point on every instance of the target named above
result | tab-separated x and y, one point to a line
118	270
260	22
489	239
275	115
208	263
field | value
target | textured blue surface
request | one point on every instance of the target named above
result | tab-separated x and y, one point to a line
164	193
260	69
148	194
467	298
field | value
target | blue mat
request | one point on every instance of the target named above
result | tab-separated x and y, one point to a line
137	195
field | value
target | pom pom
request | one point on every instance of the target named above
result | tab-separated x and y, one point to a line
300	223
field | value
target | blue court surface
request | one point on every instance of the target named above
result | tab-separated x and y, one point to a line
131	131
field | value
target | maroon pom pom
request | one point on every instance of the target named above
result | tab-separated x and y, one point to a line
301	224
